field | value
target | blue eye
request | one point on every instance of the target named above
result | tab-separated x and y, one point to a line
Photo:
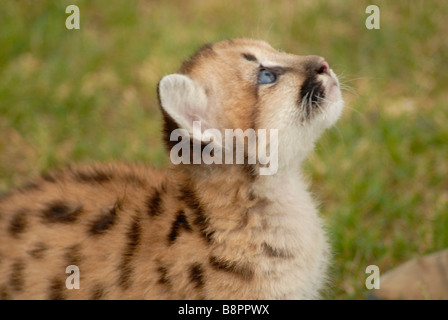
265	76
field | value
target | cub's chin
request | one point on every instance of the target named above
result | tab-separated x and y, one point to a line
334	103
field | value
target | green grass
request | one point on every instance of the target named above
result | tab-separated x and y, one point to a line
381	174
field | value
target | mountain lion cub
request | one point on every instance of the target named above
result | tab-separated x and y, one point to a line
195	231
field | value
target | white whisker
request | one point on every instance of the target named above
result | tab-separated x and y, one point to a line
357	111
340	135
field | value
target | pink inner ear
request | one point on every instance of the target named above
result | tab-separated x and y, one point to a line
185	101
198	114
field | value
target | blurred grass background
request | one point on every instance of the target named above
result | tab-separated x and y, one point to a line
381	174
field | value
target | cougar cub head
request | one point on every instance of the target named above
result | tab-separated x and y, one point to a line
246	84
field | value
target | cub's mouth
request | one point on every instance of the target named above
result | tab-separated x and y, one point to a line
312	97
318	91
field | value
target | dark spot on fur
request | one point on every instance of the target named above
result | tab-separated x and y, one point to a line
250	170
48	177
241	271
60	211
274	252
251	195
201	221
98	293
249	57
4	293
189	197
92	176
154	203
180	222
56	290
38	251
18	224
134	234
125	275
196	273
163	276
105	221
16	280
126	269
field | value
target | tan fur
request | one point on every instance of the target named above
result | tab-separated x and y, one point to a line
238	235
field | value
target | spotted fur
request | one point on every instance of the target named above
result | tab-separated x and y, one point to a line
193	231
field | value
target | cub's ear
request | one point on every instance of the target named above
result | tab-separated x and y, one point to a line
184	100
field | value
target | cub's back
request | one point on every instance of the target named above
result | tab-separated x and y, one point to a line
90	217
